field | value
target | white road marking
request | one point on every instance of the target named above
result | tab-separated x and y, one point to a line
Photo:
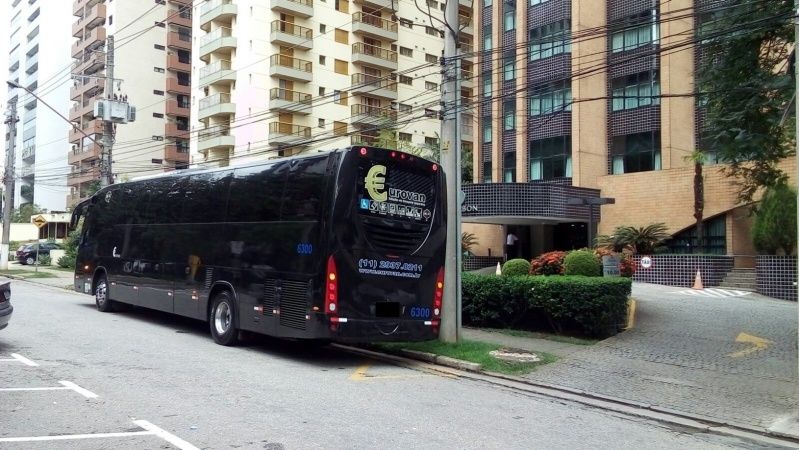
714	292
65	437
84	392
165	435
35	389
19	358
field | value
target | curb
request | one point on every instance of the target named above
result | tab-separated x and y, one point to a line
440	364
34	281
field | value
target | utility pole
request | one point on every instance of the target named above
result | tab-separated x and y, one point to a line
450	161
796	105
106	175
8	178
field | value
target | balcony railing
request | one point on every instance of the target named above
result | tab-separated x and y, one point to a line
213	100
375	21
289	96
219	33
208	6
374	112
365	80
290	129
292	29
372	50
213	68
213	132
363	139
291	62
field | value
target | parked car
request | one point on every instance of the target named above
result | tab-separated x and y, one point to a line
5	304
27	253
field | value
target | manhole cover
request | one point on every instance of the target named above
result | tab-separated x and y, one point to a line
515	355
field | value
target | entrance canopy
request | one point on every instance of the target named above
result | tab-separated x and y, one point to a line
525	203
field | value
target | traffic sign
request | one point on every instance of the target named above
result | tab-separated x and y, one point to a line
39	221
646	262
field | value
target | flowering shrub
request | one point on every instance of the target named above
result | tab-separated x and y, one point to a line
548	264
627	265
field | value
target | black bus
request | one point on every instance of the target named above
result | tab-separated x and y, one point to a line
346	245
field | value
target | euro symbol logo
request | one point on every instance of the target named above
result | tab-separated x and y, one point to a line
375	183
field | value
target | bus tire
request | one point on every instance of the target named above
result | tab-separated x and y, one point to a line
223	319
104	304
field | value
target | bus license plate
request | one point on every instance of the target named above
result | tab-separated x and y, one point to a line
387	309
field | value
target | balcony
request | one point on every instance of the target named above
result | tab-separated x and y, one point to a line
80	176
89	88
219	71
32	64
93	39
90	64
175	130
175	153
467	130
77	7
466	23
467	78
175	86
26	172
373	86
286	133
95	16
289	34
89	152
222	10
289	67
91	127
363	139
374	56
219	39
173	62
374	26
180	17
13	62
215	136
29	153
383	5
467	49
176	108
372	115
285	100
216	105
175	39
299	8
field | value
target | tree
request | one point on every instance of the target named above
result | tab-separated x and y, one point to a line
698	157
744	82
641	240
468	240
24	213
774	229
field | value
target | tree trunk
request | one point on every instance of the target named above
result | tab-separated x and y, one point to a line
699	206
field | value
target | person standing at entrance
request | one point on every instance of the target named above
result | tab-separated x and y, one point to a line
510	246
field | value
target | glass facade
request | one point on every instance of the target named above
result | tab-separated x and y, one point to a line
634	91
714	242
639	152
550	158
550	40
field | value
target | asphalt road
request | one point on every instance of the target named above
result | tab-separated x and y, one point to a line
146	380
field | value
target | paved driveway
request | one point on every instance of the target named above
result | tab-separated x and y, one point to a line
730	358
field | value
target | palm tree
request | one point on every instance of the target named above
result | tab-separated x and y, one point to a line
698	157
468	240
643	240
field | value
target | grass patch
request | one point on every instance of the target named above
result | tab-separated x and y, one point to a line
539	335
28	274
61	269
472	351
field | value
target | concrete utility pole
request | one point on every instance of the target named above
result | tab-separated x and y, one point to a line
450	161
796	105
8	178
106	176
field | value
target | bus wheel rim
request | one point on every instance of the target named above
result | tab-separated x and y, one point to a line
222	318
101	293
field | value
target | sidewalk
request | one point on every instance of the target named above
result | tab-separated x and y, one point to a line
531	344
57	278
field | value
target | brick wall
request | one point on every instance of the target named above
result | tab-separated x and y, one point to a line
489	237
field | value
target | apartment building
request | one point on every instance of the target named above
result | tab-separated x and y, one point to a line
585	100
37	58
275	78
152	71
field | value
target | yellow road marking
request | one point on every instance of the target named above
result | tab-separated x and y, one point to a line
361	375
757	344
631	314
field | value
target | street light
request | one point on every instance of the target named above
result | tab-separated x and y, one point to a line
591	202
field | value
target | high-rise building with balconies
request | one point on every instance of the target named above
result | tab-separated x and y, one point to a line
281	77
152	69
37	59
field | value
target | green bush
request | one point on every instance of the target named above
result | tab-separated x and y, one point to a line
515	267
590	305
66	262
44	260
582	262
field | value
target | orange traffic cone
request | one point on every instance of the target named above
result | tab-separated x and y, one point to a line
698	281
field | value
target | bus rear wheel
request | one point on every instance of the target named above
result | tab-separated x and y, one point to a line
104	304
223	319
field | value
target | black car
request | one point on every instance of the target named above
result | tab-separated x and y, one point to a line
5	304
27	253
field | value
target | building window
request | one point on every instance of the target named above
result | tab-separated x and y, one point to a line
321	91
430	58
158	138
550	40
404	79
636	31
510	18
509	115
633	91
486	171
432	4
340	97
537	2
406	23
342	36
157	92
341	67
159	47
638	152
322	60
509	167
322	28
430	86
157	24
158	115
550	158
405	51
487	84
509	70
404	108
111	20
404	137
321	123
343	6
488	41
714	242
551	98
431	31
339	128
487	3
158	69
431	142
487	134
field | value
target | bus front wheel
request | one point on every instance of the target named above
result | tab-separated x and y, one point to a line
104	304
222	319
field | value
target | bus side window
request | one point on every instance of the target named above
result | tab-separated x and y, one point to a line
255	193
206	197
302	198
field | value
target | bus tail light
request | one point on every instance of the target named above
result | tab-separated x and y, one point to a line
331	288
439	293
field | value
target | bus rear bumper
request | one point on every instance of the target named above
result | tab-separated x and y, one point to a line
380	330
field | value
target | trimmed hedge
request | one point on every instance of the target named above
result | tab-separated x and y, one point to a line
594	306
515	267
582	262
